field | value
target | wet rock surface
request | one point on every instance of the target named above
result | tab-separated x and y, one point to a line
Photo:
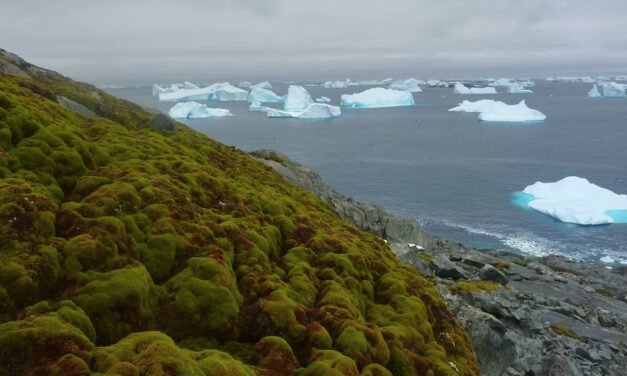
525	315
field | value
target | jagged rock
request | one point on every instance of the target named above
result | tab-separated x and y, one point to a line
490	273
445	268
558	365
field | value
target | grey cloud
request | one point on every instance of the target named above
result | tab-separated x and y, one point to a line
143	41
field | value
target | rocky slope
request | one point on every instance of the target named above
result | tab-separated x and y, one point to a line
132	245
525	315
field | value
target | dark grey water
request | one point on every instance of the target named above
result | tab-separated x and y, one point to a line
452	173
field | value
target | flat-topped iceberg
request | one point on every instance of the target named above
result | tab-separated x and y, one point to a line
261	95
323	99
594	92
378	97
518	89
222	92
511	113
195	110
490	110
411	85
463	89
336	84
298	99
576	200
437	83
313	111
613	90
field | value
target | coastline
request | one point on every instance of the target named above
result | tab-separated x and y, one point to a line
525	314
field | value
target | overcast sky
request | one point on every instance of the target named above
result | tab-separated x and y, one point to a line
141	41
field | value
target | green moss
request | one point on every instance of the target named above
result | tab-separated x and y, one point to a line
468	287
171	232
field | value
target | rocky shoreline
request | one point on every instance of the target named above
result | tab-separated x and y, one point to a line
525	315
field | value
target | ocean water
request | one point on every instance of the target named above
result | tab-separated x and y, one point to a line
453	174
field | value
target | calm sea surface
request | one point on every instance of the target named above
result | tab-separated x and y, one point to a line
448	171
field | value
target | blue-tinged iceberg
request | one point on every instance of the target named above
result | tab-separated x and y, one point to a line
298	99
613	90
462	89
594	92
490	110
576	200
518	89
195	110
378	97
223	92
260	95
313	111
410	84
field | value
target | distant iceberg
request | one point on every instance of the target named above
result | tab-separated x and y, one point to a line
245	84
503	82
313	111
195	110
262	85
462	89
158	89
190	85
511	113
336	84
264	96
298	99
410	85
257	107
378	97
594	92
490	110
222	92
576	200
437	83
323	99
613	90
518	89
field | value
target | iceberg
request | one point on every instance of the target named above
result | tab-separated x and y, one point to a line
410	85
613	90
437	83
378	97
323	100
262	85
576	200
298	99
222	92
245	84
157	89
313	111
594	92
511	113
336	84
462	89
518	89
503	82
190	85
264	96
256	107
195	110
490	110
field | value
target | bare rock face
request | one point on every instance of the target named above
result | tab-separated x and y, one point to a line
490	273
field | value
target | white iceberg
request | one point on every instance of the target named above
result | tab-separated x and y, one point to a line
594	92
613	90
195	110
323	99
503	82
257	107
222	92
245	84
511	113
336	84
462	89
157	89
313	111
190	85
410	85
476	106
262	85
264	96
298	99
490	110
437	83
518	89
576	200
378	97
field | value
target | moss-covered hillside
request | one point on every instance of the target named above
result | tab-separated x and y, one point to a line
131	250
